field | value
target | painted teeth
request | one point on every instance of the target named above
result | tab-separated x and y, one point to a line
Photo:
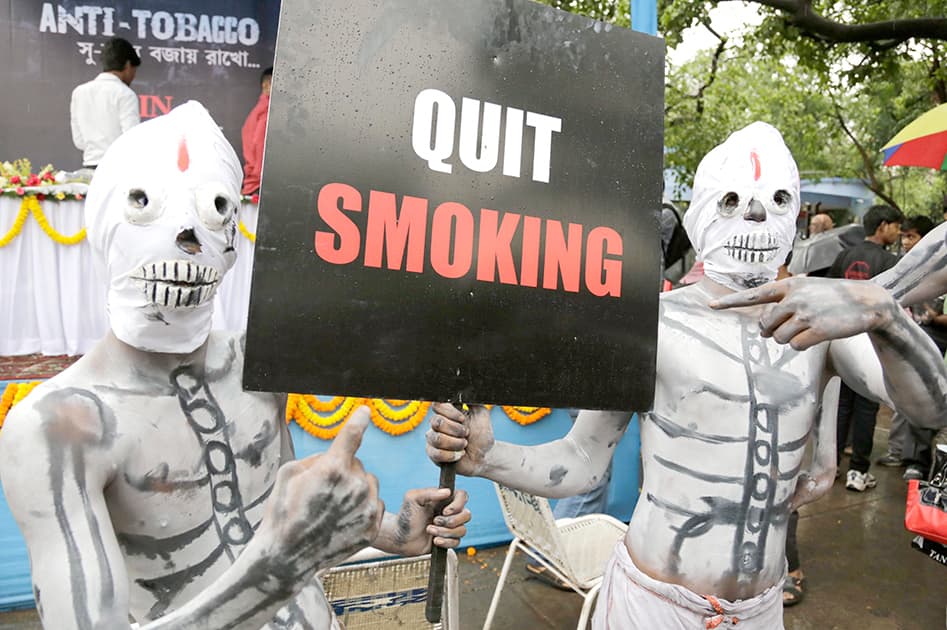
179	271
756	247
178	283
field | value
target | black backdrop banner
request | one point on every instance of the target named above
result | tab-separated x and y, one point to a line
459	203
210	51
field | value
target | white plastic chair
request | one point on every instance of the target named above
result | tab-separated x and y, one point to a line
390	593
574	549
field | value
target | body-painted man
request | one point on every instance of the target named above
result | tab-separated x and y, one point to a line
146	482
723	444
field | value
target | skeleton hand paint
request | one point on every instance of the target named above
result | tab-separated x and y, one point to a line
161	215
458	437
323	509
410	532
807	311
742	219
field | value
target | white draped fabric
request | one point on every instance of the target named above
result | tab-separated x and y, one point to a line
51	298
233	297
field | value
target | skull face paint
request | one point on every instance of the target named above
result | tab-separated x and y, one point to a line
742	218
161	217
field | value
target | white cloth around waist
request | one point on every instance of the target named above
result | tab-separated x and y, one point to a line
632	600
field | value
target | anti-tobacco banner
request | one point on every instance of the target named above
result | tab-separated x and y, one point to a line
212	52
459	203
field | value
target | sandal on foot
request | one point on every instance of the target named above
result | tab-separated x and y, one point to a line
792	590
547	576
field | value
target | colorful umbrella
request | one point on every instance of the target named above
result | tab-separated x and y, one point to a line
921	143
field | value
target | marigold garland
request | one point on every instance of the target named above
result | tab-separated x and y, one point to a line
13	394
250	236
526	415
17	225
397	417
31	205
50	231
315	423
324	419
328	406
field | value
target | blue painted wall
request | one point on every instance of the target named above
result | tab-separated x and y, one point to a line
15	587
401	464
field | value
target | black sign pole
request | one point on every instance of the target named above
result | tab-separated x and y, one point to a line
435	580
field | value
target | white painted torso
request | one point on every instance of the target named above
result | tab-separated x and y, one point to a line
186	491
721	449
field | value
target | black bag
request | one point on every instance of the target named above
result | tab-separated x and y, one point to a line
678	245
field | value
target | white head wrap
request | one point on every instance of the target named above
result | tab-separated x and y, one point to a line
161	219
742	243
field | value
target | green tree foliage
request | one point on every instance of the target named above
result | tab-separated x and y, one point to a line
862	69
613	11
839	78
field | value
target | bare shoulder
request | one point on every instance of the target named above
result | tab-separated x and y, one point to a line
688	298
56	418
62	412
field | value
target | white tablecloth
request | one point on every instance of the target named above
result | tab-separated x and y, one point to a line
51	298
233	297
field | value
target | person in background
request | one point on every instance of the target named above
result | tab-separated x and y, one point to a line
929	315
820	223
862	262
253	136
106	107
913	229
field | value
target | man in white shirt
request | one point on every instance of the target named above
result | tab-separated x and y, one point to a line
105	107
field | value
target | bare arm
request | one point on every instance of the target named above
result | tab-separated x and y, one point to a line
56	455
818	479
921	275
556	469
128	110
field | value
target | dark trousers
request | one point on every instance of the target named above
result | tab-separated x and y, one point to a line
792	549
917	448
859	414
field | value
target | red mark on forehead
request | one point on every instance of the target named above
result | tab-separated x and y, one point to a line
184	160
756	165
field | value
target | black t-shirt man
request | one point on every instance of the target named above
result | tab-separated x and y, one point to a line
862	262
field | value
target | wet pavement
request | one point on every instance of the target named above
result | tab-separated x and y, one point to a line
861	572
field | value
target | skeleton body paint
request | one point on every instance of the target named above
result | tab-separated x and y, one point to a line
146	482
721	450
723	445
185	483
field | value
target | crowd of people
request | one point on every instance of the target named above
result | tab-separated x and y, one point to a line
101	462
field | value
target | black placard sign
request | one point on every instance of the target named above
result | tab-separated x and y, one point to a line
459	203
